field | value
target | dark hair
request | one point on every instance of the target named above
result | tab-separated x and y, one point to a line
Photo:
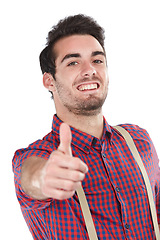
78	24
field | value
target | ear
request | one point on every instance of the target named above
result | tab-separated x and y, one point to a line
48	81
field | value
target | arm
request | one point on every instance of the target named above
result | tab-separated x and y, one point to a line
31	177
56	178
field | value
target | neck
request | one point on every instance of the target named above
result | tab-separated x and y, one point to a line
92	125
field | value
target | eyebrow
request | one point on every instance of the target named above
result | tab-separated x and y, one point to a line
71	55
77	55
98	53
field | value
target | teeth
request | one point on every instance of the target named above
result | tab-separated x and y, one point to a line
88	87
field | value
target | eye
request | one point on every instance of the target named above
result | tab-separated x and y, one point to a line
72	64
98	61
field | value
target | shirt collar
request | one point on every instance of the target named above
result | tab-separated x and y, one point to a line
81	139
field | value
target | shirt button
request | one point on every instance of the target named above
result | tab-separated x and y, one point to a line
94	141
103	155
86	149
126	226
117	189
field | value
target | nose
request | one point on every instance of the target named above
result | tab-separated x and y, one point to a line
88	70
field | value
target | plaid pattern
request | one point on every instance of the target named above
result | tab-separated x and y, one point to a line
113	186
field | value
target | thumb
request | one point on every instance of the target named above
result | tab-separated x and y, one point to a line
65	139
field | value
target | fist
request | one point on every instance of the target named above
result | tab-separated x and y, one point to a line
62	173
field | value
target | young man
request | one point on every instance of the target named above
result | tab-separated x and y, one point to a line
83	149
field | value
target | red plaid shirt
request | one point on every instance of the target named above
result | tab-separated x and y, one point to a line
113	186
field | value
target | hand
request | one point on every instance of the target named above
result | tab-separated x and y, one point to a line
62	173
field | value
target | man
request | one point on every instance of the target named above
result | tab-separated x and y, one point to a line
83	149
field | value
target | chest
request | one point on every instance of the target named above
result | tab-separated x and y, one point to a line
112	168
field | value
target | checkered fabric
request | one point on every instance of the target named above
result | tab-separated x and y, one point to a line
114	187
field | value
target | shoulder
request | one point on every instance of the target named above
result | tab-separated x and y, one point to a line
46	143
137	133
41	148
143	143
49	141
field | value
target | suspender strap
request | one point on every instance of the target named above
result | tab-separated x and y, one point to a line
138	159
87	214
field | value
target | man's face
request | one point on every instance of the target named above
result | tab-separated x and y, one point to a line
81	79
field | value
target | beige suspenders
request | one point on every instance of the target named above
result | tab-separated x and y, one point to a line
87	214
83	201
138	159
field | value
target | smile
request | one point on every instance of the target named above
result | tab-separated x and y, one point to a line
85	87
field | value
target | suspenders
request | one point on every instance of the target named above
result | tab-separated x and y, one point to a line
83	201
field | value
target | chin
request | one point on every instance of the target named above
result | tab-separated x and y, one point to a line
88	108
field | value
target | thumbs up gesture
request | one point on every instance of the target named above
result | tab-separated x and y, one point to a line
62	173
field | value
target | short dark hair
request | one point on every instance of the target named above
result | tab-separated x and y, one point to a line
77	24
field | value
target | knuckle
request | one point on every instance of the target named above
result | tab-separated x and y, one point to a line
77	176
61	195
77	163
65	195
70	186
70	194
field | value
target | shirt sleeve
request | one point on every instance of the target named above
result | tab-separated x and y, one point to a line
41	149
154	173
157	182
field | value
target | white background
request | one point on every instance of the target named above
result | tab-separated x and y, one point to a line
133	52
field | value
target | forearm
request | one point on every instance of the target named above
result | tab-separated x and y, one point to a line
56	178
31	177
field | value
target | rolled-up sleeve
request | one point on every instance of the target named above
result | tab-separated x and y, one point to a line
41	149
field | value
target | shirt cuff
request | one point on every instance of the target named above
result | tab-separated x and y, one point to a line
29	203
